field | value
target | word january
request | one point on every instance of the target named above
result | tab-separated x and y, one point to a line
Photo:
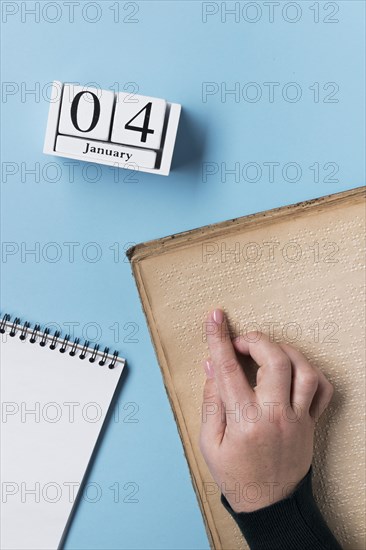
109	152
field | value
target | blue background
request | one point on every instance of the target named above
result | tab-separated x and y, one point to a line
169	52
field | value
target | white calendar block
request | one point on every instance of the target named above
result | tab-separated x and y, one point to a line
85	112
99	151
80	126
138	120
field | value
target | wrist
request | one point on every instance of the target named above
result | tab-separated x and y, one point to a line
254	496
293	522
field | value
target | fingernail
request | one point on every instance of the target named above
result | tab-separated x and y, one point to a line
218	316
209	369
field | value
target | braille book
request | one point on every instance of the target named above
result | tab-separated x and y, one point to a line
295	273
55	396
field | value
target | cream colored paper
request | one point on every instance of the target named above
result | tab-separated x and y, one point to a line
301	279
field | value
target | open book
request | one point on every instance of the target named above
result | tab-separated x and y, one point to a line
295	273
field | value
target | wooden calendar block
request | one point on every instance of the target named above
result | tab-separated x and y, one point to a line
94	151
138	120
100	126
86	113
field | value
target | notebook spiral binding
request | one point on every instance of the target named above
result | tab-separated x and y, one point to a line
56	342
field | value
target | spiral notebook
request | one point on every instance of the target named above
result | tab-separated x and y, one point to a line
55	396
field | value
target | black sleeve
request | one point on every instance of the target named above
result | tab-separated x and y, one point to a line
294	523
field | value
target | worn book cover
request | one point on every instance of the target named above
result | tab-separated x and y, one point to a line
297	274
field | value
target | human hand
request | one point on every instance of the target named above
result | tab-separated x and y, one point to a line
258	442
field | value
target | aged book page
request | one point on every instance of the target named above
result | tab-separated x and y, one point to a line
295	273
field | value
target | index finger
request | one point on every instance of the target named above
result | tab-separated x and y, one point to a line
232	383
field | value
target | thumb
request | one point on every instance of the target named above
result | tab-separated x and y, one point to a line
213	422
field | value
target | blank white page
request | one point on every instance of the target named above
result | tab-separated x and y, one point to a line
45	453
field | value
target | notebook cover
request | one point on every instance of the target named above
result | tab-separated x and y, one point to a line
297	273
54	407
